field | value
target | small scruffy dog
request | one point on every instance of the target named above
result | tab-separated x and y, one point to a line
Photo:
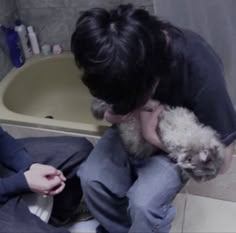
194	147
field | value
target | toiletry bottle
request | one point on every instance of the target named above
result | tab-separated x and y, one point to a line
56	49
25	42
13	43
46	49
33	40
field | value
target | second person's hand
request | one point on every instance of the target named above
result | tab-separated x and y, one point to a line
45	179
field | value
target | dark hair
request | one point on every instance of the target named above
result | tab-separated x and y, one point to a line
123	53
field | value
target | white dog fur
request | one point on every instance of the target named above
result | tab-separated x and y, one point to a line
194	147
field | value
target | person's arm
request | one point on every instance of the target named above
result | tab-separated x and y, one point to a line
39	178
16	158
13	185
12	154
209	100
214	108
28	177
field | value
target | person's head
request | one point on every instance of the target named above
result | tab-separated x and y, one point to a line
123	53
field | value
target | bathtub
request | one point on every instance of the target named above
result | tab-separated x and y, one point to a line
47	92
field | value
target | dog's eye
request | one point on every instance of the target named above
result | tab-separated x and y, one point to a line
189	159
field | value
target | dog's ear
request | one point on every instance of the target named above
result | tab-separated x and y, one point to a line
216	148
212	152
208	154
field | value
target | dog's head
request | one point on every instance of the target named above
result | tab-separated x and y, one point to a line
203	164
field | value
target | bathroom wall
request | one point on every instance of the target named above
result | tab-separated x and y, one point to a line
214	20
54	20
7	16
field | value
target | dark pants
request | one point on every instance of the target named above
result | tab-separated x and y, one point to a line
64	153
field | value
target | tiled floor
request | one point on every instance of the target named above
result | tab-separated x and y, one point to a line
194	214
209	215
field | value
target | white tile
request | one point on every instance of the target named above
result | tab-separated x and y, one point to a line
209	215
179	203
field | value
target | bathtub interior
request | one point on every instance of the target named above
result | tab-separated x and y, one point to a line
51	88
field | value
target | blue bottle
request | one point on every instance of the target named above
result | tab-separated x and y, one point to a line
13	43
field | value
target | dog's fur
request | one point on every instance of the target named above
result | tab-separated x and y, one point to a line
195	148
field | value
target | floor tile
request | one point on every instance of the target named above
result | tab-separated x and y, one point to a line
222	187
179	203
209	215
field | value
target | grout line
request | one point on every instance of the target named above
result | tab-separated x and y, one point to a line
185	208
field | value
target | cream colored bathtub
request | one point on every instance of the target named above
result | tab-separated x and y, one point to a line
48	87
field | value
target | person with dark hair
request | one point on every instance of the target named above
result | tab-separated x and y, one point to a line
43	165
129	57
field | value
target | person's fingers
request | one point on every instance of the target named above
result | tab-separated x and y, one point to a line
61	175
57	190
48	171
146	109
151	105
159	109
52	183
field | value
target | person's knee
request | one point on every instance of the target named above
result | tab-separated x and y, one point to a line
146	208
79	144
79	148
159	214
87	178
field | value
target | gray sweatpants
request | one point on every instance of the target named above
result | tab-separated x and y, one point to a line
125	195
64	153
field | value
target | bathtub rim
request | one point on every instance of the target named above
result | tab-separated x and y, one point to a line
8	116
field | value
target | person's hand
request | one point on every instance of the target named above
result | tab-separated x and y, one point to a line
112	118
149	122
45	179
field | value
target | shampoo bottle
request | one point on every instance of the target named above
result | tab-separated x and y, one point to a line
13	43
33	40
23	35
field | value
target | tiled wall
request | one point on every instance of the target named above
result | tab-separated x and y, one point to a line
7	15
214	20
54	20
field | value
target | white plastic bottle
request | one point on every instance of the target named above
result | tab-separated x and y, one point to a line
33	40
24	39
